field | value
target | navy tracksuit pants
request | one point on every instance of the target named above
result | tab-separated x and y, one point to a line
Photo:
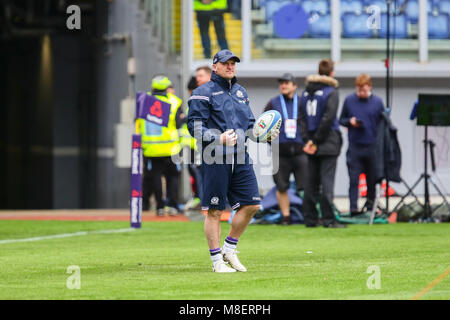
361	159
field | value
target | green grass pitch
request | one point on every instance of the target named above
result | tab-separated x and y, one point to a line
170	260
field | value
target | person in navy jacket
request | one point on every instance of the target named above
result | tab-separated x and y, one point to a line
323	141
289	154
361	114
221	119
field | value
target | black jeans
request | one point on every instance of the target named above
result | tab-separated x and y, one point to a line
203	19
154	169
319	187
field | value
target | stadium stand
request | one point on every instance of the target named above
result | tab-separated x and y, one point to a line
379	3
355	26
443	6
318	10
352	6
398	27
319	6
320	26
412	10
438	26
272	6
273	32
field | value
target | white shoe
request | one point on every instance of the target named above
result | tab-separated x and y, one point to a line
173	211
232	259
220	266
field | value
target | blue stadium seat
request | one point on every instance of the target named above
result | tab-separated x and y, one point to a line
401	28
320	26
355	26
273	6
351	6
380	3
320	6
438	26
412	7
412	10
444	6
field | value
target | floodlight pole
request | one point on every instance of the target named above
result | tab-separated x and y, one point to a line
388	85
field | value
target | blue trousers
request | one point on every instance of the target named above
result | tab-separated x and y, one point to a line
203	19
361	159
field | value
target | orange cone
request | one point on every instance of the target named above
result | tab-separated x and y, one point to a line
362	187
391	191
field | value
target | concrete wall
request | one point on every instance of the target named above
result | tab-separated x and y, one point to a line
68	77
122	17
59	103
26	119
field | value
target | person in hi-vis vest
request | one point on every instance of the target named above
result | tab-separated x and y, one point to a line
159	144
190	151
207	11
202	76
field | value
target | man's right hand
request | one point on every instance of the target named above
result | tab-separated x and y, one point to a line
228	138
354	122
310	148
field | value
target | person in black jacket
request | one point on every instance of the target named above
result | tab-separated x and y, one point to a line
289	153
319	128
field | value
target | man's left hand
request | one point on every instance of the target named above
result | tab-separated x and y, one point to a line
273	136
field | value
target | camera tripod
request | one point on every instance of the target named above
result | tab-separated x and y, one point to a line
428	211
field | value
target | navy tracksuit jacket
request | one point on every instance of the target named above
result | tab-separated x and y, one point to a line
215	107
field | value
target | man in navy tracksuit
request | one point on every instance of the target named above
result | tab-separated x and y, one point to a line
220	117
320	131
361	114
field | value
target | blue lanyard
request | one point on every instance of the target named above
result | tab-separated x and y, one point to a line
294	106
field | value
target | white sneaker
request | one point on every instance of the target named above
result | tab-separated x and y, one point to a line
220	266
232	259
172	211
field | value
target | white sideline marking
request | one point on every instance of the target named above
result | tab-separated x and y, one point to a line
67	235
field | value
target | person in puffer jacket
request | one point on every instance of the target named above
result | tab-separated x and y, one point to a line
323	141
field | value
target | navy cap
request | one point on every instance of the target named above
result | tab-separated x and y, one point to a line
287	77
224	56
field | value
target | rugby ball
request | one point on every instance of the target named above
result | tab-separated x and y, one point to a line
266	124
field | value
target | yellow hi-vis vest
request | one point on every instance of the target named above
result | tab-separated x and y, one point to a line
159	141
214	5
186	140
